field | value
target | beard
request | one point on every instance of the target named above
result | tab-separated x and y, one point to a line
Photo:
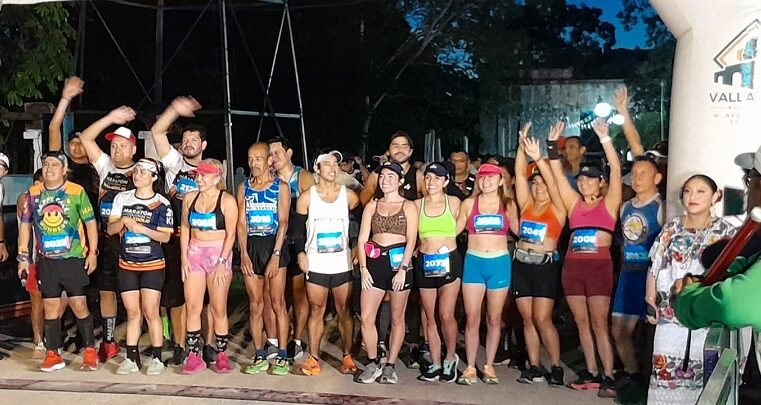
403	160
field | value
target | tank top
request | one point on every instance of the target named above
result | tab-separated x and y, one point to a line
328	233
585	222
261	208
207	221
395	224
640	228
535	228
440	226
293	183
487	224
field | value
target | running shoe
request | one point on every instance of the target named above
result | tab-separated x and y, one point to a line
490	377
449	371
194	364
281	367
39	347
107	351
382	351
531	375
223	364
127	367
348	366
90	359
371	372
259	364
425	353
556	377
388	376
272	350
586	381
209	355
622	379
607	388
468	377
178	355
295	351
155	367
311	366
53	361
410	357
431	373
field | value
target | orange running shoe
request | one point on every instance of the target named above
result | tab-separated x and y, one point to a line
311	366
348	366
90	359
53	361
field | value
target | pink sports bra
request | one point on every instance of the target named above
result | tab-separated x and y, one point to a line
487	224
596	217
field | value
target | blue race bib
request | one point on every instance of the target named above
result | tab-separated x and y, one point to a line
436	265
636	254
136	243
204	221
185	185
55	244
488	222
584	240
533	232
395	256
105	210
330	242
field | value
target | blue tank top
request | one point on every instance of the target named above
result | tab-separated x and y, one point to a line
261	208
293	183
640	228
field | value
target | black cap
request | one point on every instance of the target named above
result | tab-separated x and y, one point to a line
593	171
394	167
437	168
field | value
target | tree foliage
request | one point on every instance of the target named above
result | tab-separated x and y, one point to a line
34	50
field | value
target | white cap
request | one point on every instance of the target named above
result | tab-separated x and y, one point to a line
323	156
749	160
5	160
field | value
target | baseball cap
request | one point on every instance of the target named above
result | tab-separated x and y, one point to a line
208	168
53	153
487	169
394	167
123	132
149	164
321	157
5	160
591	171
748	161
438	169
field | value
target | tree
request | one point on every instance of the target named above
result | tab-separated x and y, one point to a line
34	50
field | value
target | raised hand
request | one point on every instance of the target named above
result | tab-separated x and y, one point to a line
532	148
72	87
122	115
556	130
601	128
186	106
621	99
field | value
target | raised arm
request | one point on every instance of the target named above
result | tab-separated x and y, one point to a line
568	195
613	197
552	187
370	185
522	190
119	116
180	107
72	87
621	101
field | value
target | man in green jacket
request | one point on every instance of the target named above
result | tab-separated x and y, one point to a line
734	302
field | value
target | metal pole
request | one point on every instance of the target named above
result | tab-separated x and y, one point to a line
298	86
158	89
663	90
272	72
228	114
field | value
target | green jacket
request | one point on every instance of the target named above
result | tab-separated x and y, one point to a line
734	302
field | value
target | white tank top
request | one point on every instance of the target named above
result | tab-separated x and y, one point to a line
327	246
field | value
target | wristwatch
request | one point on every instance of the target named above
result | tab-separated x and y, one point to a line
222	260
276	252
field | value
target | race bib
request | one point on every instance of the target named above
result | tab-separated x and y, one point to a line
436	265
204	221
330	242
533	232
136	243
395	256
636	254
185	185
584	240
260	220
105	210
55	244
488	222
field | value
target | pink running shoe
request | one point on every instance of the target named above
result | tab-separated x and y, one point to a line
223	364
193	364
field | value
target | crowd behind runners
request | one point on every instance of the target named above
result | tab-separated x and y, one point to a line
440	250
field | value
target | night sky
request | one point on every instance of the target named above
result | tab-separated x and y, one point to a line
632	39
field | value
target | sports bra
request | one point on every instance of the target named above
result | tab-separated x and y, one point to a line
596	217
535	228
395	224
207	221
440	226
487	224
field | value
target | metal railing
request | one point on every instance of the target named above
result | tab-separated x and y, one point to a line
721	378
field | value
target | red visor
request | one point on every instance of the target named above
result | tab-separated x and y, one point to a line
208	168
488	170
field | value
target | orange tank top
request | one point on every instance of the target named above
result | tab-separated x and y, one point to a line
535	228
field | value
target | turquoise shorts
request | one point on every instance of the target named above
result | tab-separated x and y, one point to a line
491	269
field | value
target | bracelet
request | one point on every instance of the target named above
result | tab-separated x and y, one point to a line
95	252
607	139
22	257
67	99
